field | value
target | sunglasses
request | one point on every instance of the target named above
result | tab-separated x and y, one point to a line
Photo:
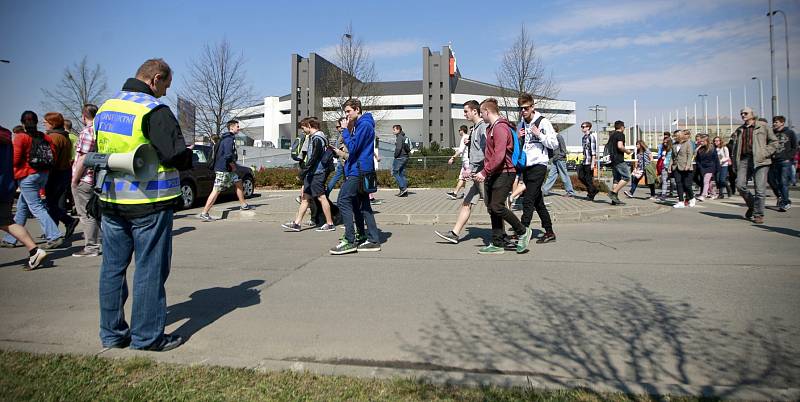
744	114
584	126
526	107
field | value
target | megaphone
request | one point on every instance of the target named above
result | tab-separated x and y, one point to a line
142	163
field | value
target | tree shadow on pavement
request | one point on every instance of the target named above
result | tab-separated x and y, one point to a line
617	335
182	230
723	215
206	306
777	229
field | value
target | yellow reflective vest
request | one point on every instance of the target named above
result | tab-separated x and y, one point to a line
118	125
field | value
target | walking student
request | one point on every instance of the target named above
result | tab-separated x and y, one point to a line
644	168
663	165
33	158
402	148
476	141
354	204
538	136
137	220
724	158
7	189
465	174
681	166
558	166
620	171
83	184
224	160
498	174
707	162
60	177
314	176
753	145
586	168
341	155
780	171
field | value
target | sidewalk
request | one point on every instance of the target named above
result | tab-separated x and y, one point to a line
425	206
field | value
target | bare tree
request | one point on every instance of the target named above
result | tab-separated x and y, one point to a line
355	77
523	71
79	85
217	85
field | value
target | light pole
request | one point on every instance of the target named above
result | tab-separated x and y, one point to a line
772	63
705	111
596	109
788	85
761	96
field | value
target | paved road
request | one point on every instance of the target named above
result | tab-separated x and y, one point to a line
693	300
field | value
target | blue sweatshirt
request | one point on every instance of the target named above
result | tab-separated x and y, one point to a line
224	155
360	146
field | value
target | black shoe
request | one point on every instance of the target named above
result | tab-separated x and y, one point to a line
749	214
548	237
403	193
449	236
71	228
119	345
168	342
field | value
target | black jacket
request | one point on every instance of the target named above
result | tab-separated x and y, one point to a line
160	127
401	149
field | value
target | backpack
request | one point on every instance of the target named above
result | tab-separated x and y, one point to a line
41	155
327	155
518	157
296	150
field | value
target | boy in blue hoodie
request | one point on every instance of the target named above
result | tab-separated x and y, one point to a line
358	136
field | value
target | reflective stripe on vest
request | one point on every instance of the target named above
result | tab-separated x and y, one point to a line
118	125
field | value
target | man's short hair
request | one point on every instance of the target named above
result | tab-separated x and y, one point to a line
525	98
779	118
762	119
491	105
619	124
473	104
746	109
586	123
67	124
28	115
464	129
354	104
312	122
231	123
89	111
55	119
151	67
397	127
18	129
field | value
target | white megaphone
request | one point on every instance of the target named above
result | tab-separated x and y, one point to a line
142	163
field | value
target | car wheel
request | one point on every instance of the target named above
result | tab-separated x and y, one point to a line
188	194
248	186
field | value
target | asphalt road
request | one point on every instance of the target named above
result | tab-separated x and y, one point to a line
689	301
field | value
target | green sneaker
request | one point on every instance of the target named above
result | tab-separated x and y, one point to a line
344	247
491	249
522	243
361	239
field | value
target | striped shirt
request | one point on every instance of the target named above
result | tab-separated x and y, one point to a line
85	144
589	142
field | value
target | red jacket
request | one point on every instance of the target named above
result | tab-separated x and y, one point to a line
22	147
499	148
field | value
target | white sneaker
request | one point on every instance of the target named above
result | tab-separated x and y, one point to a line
692	203
700	198
679	204
35	260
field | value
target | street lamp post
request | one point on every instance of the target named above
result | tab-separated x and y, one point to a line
761	96
774	97
788	84
596	109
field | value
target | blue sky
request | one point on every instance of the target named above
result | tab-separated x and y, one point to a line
662	53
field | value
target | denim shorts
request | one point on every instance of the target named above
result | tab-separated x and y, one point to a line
621	171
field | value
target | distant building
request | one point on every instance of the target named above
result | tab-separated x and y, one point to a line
429	110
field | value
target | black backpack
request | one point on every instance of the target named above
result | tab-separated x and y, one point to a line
41	155
327	155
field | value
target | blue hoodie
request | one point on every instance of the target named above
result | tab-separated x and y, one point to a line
224	156
360	146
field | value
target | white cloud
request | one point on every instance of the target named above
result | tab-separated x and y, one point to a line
384	49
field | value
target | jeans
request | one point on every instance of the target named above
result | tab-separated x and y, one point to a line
635	185
30	202
780	175
664	182
722	180
533	176
683	180
150	237
707	177
337	174
91	231
745	169
558	167
399	172
56	189
356	207
586	177
498	186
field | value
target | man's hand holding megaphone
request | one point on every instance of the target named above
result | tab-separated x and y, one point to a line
142	163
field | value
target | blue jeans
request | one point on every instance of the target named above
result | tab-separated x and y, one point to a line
780	175
558	167
337	174
399	172
30	202
150	237
356	207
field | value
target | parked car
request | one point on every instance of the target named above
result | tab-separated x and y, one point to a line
197	183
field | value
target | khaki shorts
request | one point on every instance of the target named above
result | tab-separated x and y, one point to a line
477	188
